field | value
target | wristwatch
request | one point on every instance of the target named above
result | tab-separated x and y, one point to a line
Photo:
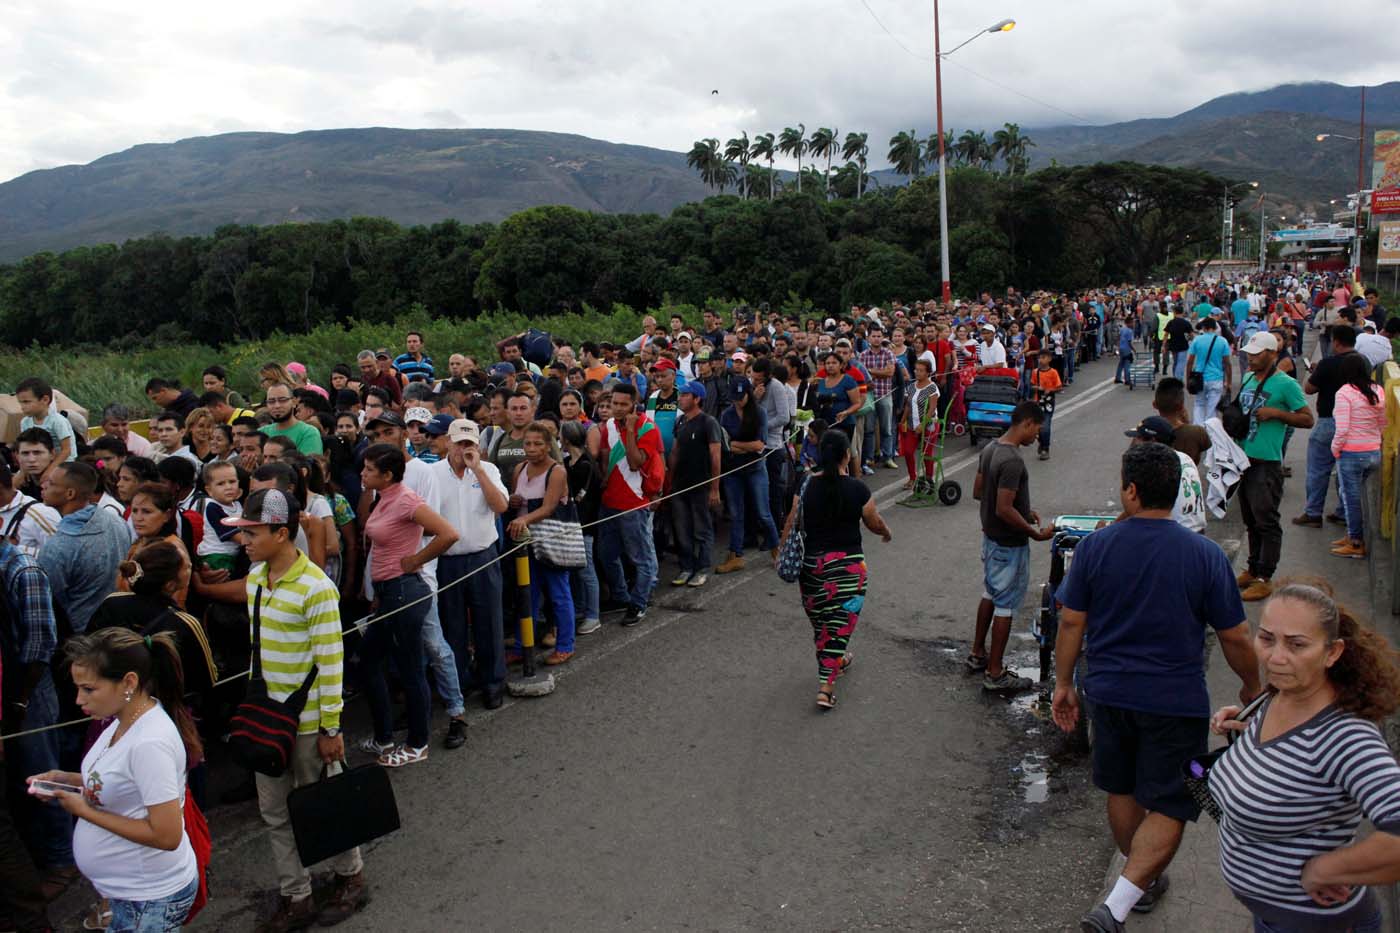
331	732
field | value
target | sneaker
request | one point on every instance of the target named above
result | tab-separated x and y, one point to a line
1350	549
370	746
1308	521
290	915
635	614
558	657
1043	455
734	563
1259	589
350	896
588	626
866	470
889	464
403	755
1008	681
456	734
1100	920
682	578
1152	895
700	579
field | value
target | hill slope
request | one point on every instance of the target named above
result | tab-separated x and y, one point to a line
411	176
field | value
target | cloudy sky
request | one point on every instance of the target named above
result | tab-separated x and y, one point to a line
82	79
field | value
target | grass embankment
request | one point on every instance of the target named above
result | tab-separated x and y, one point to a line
96	376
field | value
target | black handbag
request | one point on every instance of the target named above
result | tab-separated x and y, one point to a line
340	812
263	731
1196	379
1196	770
1234	419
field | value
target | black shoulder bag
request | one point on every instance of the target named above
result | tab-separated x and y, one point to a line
263	730
1234	419
1196	380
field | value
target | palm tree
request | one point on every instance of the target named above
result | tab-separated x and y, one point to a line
857	147
763	148
907	153
706	159
756	177
973	148
931	147
794	142
737	150
823	145
1011	146
849	180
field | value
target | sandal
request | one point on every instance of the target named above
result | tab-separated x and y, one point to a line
846	660
826	699
98	917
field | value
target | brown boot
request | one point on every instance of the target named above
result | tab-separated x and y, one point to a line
1259	589
351	895
291	915
1245	579
734	563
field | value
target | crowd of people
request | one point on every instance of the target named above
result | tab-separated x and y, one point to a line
373	522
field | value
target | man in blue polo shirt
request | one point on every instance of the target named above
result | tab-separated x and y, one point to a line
1209	355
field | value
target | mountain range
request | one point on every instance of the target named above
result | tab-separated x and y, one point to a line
421	176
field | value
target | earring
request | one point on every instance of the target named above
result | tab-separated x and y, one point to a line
129	695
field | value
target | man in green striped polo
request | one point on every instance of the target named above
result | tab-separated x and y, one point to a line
299	623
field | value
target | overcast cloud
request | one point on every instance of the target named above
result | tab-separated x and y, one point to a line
80	80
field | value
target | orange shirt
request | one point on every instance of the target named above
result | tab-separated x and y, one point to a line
599	373
1047	379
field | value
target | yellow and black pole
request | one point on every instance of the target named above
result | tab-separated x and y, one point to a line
529	683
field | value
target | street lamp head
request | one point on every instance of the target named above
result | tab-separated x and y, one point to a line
1005	25
1254	184
1322	136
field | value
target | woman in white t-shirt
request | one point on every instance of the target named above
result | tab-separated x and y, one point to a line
130	838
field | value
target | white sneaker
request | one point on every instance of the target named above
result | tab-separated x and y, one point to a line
682	578
587	627
699	579
402	755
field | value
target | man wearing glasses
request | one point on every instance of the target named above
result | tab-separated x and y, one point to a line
282	407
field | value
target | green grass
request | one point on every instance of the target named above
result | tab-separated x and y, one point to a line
96	376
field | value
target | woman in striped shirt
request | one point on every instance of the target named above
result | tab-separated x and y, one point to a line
1307	768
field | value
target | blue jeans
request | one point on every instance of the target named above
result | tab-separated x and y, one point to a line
1371	924
1071	358
1352	467
471	614
1125	362
442	661
553	583
45	827
1206	402
751	484
1045	431
399	636
163	915
1320	462
630	534
585	584
1179	363
884	415
1006	575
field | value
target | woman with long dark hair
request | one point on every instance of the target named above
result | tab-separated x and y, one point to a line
832	506
1308	766
746	482
130	840
155	517
1359	414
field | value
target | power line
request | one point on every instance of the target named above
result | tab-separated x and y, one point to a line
928	59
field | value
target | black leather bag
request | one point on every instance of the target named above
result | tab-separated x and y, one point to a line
1233	417
263	731
343	811
1196	379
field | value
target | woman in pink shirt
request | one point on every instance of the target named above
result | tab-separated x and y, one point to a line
395	528
1360	417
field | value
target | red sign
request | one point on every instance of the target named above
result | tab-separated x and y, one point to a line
1385	201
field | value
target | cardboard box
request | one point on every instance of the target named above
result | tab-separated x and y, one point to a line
10	414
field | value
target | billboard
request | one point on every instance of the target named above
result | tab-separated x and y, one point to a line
1388	244
1385	173
1325	233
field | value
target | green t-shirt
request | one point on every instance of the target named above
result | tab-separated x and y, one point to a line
1265	438
1204	309
304	436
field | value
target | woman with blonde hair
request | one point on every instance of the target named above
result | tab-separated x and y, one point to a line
1308	767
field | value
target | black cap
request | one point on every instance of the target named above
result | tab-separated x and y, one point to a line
1155	428
392	419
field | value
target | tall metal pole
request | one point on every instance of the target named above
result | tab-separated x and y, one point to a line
1263	242
942	162
1360	187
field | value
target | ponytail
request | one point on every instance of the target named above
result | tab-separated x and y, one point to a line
155	660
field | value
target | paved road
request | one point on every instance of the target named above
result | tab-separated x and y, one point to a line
681	778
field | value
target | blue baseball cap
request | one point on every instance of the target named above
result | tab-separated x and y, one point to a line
694	387
438	425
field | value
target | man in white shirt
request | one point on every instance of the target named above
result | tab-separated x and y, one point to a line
685	357
990	352
468	492
24	520
1372	345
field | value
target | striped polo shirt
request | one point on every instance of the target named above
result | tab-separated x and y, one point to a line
300	624
1297	795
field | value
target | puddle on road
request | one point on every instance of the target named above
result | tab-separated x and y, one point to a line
1035	777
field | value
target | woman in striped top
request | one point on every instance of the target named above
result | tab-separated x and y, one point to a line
1307	768
1360	417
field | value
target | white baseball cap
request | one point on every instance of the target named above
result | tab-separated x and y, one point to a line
464	430
421	415
1261	341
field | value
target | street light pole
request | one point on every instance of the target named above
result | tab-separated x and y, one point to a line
1003	26
1360	187
1263	241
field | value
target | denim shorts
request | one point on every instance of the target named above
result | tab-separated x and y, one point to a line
1006	575
163	915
